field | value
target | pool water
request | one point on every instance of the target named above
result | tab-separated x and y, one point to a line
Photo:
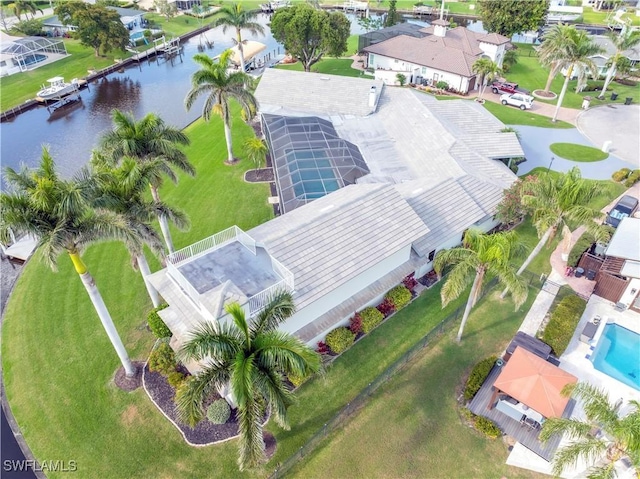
618	355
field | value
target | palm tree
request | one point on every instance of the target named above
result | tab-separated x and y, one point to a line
28	6
626	40
487	70
149	140
57	212
256	150
121	190
251	357
554	201
235	16
605	437
219	85
479	254
570	50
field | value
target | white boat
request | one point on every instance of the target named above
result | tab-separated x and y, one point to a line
57	88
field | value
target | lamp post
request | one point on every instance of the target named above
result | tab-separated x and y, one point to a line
550	163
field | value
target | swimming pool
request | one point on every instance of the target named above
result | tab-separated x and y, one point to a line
618	355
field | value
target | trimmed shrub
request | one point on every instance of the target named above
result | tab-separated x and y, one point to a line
162	359
322	347
156	325
356	324
175	379
632	179
399	296
477	376
386	307
583	244
621	175
371	317
563	322
410	283
297	380
442	85
218	412
487	427
340	339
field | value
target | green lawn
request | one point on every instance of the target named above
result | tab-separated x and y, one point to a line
176	26
575	152
592	17
352	45
331	66
510	115
23	86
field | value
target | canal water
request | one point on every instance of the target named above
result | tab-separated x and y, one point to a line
158	86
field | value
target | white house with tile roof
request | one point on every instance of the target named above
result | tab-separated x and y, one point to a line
442	55
434	170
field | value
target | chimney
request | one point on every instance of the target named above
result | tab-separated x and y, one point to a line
440	27
372	97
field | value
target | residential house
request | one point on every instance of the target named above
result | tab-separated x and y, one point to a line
601	59
444	54
132	19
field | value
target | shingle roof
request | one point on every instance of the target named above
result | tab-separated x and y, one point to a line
450	207
314	92
335	238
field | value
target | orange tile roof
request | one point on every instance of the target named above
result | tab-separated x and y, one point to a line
535	382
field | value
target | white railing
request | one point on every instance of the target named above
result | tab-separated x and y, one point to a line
283	271
181	281
211	243
258	301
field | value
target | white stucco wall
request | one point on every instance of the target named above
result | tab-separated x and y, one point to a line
338	295
495	52
631	292
387	68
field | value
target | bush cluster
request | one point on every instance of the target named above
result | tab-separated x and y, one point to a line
410	283
386	307
322	347
297	380
156	325
477	376
442	85
583	244
371	317
563	322
399	296
621	174
340	339
175	379
632	178
487	427
162	359
355	323
218	412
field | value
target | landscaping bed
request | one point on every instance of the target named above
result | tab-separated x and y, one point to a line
576	152
260	175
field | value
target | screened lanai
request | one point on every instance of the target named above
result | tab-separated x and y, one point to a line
21	54
310	160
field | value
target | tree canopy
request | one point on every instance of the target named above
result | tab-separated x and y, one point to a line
98	27
508	17
308	34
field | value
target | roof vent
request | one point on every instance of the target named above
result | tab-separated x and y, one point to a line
372	96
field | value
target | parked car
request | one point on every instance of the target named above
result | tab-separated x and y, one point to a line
520	100
506	87
623	208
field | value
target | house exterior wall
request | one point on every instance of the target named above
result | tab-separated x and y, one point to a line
333	298
494	52
387	68
630	293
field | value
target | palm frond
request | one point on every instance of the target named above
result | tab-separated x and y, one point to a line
190	396
207	339
279	308
251	444
276	394
588	450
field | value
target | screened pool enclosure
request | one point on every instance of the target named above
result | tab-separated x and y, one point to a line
309	159
23	54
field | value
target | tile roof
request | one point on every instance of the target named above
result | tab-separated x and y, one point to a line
339	236
493	38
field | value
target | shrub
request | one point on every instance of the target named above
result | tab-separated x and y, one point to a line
371	317
386	307
563	322
157	326
162	359
297	380
632	179
477	376
621	174
175	379
399	296
218	412
583	244
356	324
410	283
322	347
401	79
340	339
442	85
487	427
30	28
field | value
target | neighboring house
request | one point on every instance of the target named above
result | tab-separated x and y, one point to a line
372	182
601	59
442	55
618	279
133	20
376	36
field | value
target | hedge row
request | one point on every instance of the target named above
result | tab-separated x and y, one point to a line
563	322
156	325
477	376
627	176
583	244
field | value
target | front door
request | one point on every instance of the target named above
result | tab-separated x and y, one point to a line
435	78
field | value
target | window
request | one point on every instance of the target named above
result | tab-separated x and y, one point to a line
395	61
424	70
432	255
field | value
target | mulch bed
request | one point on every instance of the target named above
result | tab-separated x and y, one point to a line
129	384
261	175
428	279
544	94
205	432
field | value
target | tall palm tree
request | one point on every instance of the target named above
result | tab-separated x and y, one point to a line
605	437
553	48
236	17
219	85
251	356
121	190
556	200
480	254
27	6
626	40
570	50
58	213
487	69
149	140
